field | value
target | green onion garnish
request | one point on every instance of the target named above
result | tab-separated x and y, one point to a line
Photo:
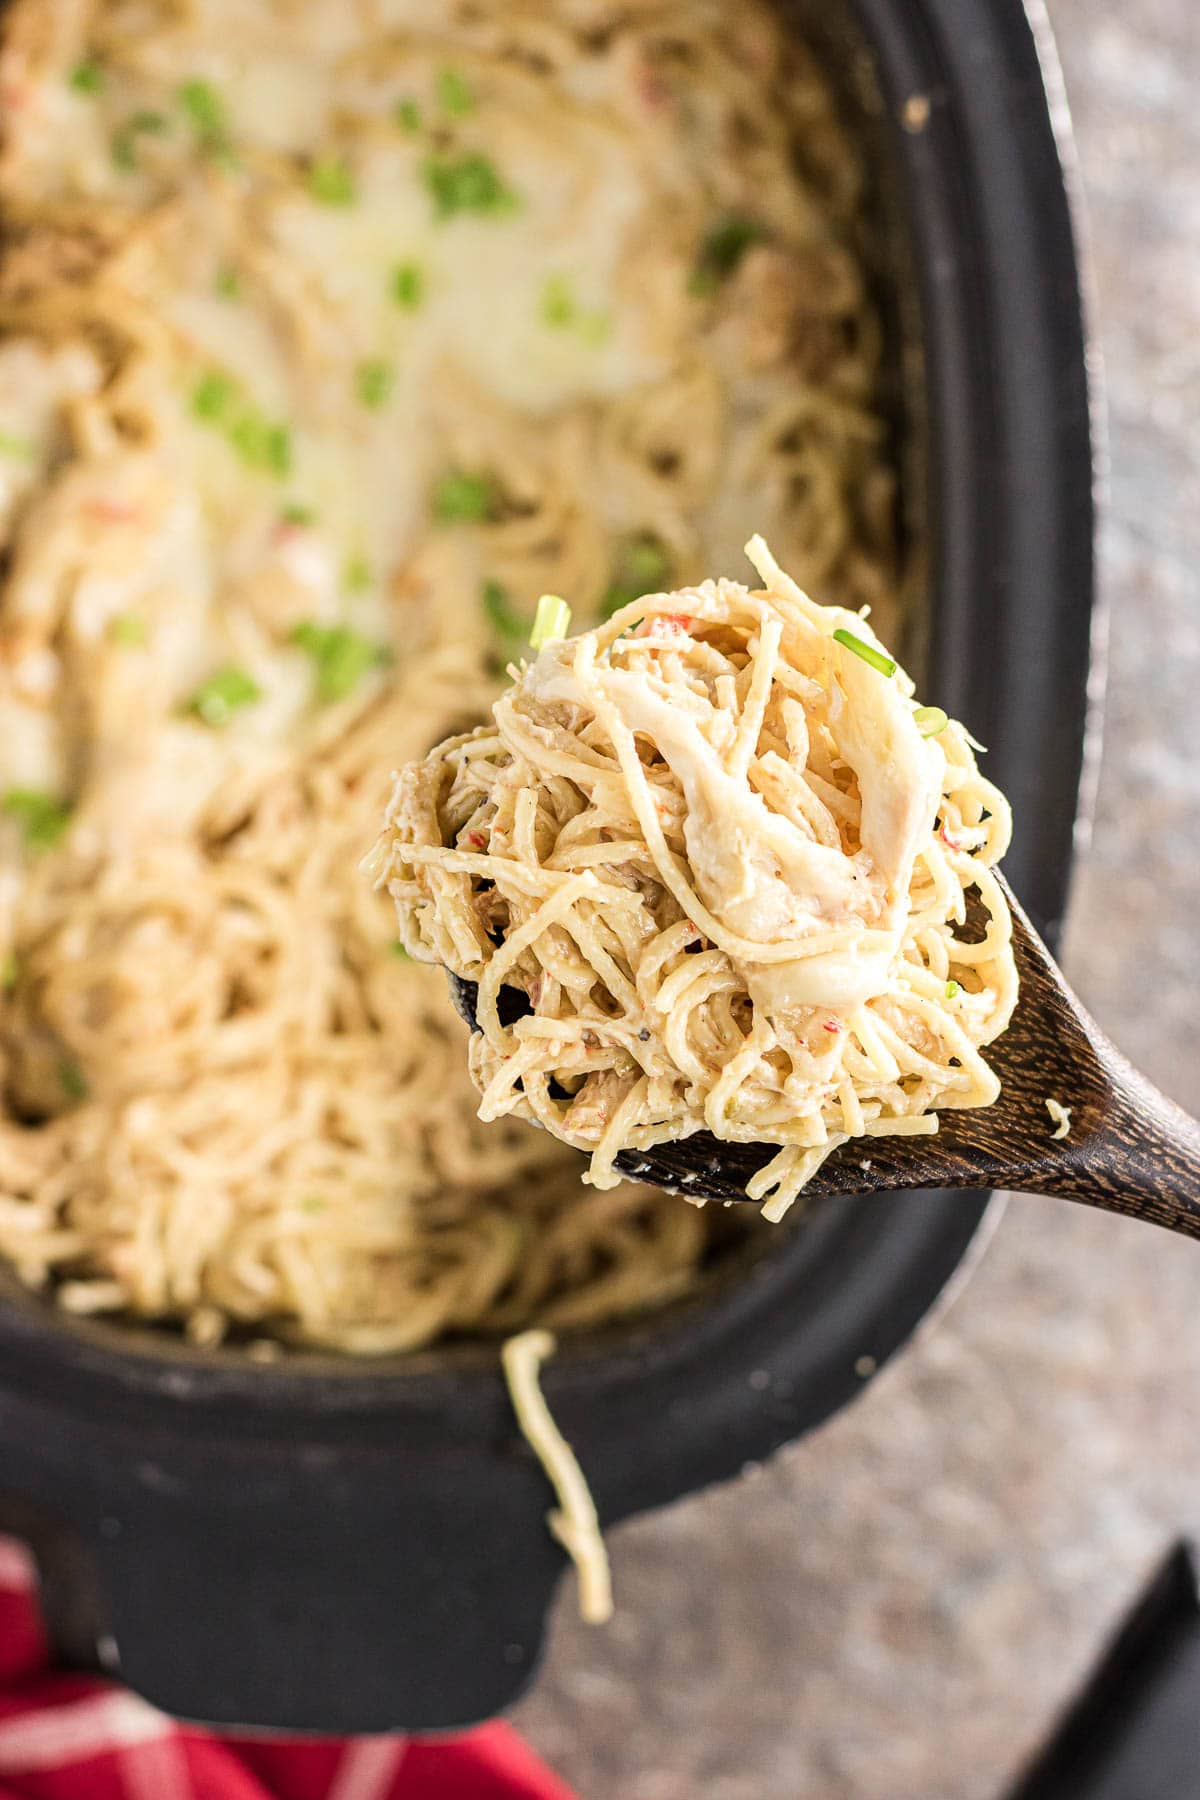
139	124
217	400
72	1079
19	449
356	576
373	383
595	329
224	693
399	952
868	652
643	567
342	657
551	621
127	629
228	284
262	445
468	183
929	720
10	972
331	182
721	251
204	107
294	513
454	94
42	818
558	303
279	450
952	990
407	285
313	1204
500	615
463	498
87	78
407	115
213	395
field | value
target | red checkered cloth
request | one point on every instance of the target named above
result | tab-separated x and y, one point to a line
80	1737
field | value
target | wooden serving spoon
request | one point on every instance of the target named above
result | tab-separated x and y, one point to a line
1129	1149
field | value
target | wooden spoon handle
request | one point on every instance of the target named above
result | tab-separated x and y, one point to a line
1130	1150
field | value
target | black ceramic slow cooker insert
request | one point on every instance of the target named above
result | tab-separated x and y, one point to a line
341	1547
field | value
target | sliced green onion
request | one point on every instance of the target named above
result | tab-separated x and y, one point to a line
224	693
558	303
87	78
342	657
228	284
500	614
356	576
18	449
72	1080
720	252
551	621
595	328
331	182
10	972
261	444
139	124
204	107
454	93
643	567
295	513
408	285
213	395
468	183
217	399
373	383
929	720
127	629
868	652
953	989
43	819
407	115
399	952
464	498
313	1204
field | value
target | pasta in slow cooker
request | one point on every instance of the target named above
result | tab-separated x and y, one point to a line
330	336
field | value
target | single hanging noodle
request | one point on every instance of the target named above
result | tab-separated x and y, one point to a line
575	1524
766	940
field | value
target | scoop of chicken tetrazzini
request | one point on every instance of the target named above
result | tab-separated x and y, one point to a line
726	858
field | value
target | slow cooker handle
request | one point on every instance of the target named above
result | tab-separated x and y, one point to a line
390	1615
303	1588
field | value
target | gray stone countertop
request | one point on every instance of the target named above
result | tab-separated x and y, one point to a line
896	1608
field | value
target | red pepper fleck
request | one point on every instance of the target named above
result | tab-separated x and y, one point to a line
476	839
112	512
832	1025
951	843
665	625
652	91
